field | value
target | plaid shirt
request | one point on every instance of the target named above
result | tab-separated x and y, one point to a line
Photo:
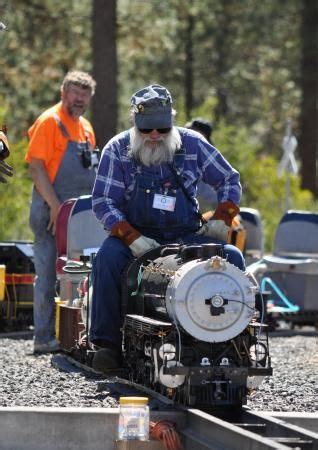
115	178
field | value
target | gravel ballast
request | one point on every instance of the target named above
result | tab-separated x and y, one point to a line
28	380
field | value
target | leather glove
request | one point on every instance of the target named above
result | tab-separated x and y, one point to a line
215	229
142	245
226	211
137	243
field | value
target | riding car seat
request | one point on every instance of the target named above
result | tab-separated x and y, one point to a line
78	233
254	244
293	265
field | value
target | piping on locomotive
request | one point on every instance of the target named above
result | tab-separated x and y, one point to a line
192	326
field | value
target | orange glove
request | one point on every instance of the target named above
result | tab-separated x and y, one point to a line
226	211
125	232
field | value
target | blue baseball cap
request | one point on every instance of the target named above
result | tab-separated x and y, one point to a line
152	107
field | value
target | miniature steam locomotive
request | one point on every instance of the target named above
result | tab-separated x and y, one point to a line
190	328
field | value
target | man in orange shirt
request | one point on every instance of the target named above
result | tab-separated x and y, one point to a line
59	157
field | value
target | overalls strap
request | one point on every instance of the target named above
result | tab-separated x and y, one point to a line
61	126
177	174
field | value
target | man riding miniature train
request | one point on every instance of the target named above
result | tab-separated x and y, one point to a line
145	194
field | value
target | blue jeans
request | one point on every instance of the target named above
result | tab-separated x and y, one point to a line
110	262
44	262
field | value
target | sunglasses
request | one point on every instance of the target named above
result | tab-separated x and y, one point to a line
149	130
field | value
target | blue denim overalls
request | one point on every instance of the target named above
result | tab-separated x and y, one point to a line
72	180
163	226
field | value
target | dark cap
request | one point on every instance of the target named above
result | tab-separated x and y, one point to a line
202	126
152	107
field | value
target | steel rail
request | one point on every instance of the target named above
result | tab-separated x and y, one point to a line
248	430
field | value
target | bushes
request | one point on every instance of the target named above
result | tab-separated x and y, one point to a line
262	189
15	198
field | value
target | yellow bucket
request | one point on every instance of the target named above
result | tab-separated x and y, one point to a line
58	303
2	281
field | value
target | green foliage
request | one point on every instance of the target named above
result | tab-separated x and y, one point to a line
42	41
247	50
262	188
15	198
15	194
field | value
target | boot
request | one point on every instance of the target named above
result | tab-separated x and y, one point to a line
106	358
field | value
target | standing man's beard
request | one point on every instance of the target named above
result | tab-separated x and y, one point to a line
75	110
162	152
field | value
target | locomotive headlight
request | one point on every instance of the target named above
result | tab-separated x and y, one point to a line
258	352
167	351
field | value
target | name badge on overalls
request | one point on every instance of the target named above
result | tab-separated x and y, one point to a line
164	202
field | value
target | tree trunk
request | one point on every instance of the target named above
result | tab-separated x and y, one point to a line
308	140
104	104
188	80
222	43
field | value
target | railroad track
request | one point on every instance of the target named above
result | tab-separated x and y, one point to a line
241	430
249	430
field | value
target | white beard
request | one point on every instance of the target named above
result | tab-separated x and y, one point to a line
163	152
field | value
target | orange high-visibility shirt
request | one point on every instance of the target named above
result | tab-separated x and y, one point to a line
47	141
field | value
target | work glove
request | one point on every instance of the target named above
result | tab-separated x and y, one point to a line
216	229
218	226
226	211
137	243
142	245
